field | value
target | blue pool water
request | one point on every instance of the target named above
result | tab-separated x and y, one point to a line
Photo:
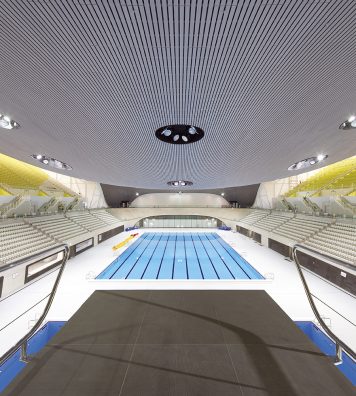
12	367
180	256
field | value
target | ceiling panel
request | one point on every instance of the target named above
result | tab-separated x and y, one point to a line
91	81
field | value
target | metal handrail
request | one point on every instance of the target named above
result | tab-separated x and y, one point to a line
22	343
339	344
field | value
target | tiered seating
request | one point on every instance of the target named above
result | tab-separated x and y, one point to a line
299	228
253	217
337	240
87	221
339	175
18	240
272	221
105	216
59	227
18	174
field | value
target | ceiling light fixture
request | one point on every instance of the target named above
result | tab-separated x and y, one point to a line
54	163
222	194
7	123
305	163
350	123
137	194
179	134
180	183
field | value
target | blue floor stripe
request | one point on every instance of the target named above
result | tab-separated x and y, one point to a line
180	256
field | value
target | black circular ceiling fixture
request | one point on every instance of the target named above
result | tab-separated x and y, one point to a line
180	183
179	134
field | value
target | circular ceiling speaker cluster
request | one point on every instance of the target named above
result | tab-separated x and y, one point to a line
7	123
305	163
348	124
180	183
179	134
52	162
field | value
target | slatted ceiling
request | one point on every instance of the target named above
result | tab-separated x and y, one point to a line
90	82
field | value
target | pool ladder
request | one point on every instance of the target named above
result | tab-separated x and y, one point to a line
339	344
22	343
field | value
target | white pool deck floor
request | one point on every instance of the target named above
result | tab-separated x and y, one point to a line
20	311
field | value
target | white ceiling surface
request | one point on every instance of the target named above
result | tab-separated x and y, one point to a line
91	80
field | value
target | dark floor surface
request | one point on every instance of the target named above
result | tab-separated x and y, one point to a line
175	343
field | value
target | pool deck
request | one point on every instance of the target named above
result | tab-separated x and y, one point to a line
180	342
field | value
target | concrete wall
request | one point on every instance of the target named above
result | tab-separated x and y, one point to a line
130	216
179	200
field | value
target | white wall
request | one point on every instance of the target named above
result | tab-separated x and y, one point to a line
91	192
170	200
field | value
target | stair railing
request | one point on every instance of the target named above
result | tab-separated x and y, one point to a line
339	344
22	343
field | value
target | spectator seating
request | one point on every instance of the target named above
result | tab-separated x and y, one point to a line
18	240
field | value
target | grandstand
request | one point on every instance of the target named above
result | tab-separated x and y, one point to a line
19	240
340	176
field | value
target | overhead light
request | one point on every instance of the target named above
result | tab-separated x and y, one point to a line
222	193
179	134
137	194
180	183
167	132
7	123
305	163
52	162
350	123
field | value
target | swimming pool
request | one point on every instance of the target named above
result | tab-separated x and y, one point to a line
168	255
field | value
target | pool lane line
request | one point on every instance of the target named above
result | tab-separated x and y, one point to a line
138	258
149	261
112	265
143	239
196	253
218	240
164	252
208	255
212	248
233	276
174	255
186	257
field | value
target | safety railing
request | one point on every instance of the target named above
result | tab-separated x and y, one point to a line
22	343
339	344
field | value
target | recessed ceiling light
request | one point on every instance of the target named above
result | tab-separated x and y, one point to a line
7	123
179	134
52	162
167	132
350	123
179	183
305	163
